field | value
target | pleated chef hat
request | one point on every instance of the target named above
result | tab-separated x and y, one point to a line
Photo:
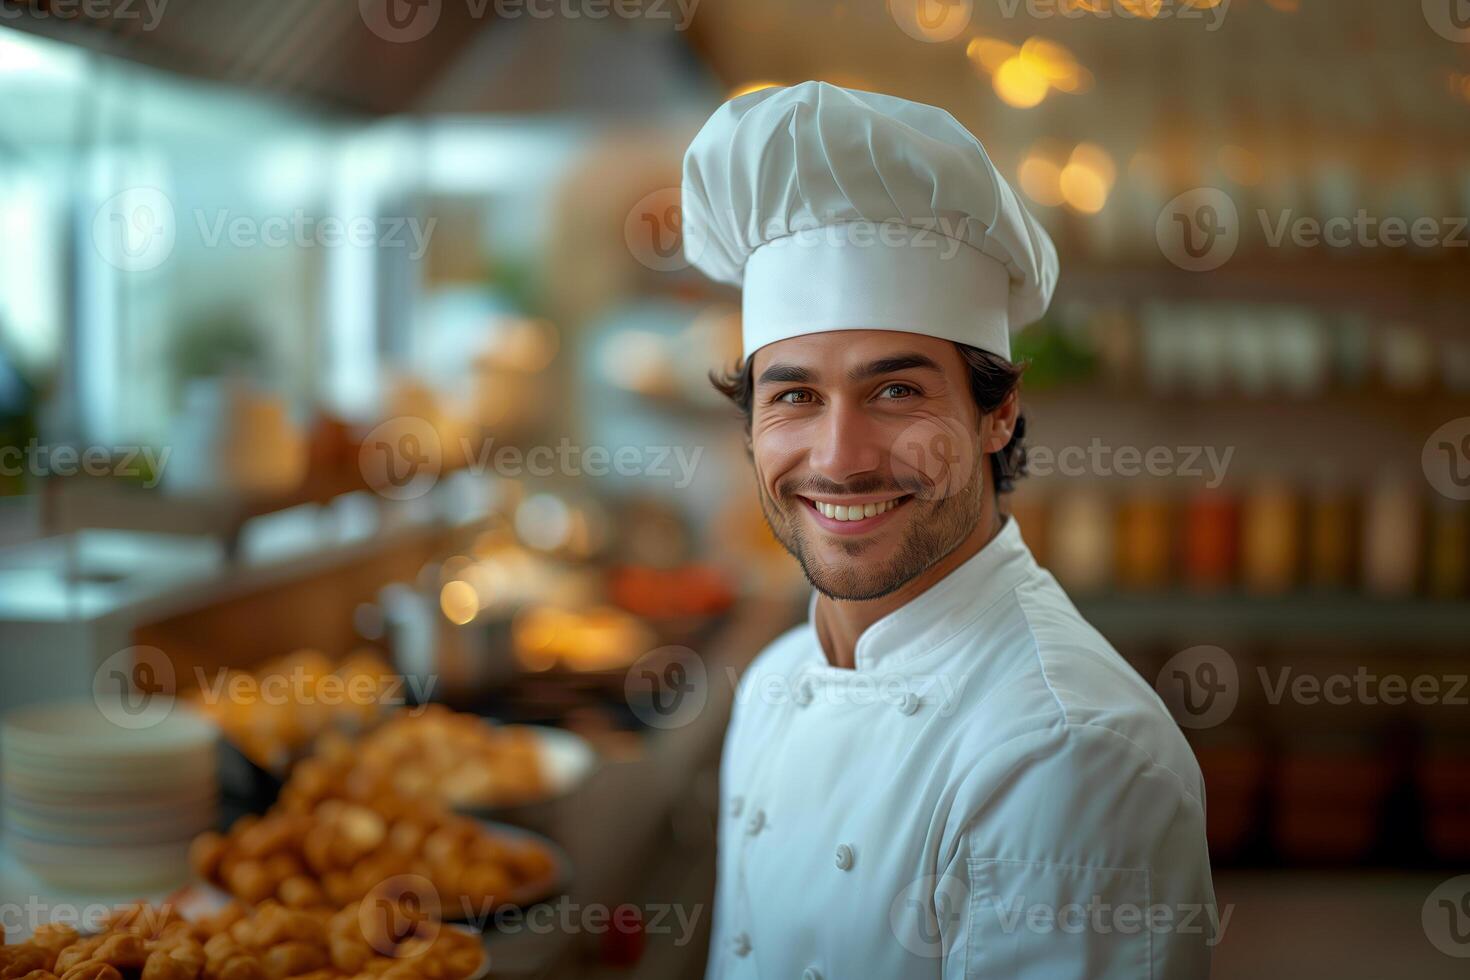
839	210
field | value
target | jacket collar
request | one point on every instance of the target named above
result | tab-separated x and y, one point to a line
923	628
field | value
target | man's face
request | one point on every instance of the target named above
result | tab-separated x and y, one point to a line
868	449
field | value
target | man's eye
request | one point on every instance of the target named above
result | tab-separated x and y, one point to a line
897	391
796	397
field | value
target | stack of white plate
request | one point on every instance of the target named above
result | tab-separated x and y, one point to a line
94	798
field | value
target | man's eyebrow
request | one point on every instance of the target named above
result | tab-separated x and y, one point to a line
785	374
891	365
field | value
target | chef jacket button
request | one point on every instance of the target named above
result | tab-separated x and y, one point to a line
736	805
757	821
844	857
741	945
909	704
804	694
811	973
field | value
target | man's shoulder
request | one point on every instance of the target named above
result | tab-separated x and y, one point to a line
1065	684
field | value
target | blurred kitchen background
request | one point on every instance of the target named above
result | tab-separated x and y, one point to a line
338	332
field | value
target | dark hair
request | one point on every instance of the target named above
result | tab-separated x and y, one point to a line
992	379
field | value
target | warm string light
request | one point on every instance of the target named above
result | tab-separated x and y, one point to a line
1024	76
1082	178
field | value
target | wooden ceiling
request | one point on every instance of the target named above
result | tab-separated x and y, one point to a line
318	51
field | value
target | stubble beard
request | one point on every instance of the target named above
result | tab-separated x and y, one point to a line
935	528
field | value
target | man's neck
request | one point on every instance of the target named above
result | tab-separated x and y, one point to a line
840	623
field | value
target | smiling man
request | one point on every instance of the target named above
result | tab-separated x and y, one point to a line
945	772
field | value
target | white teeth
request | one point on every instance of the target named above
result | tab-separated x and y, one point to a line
853	512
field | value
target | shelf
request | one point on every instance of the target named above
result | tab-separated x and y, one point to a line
1191	619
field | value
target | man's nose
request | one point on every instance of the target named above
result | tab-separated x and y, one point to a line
847	444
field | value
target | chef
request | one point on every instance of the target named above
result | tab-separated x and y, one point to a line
945	772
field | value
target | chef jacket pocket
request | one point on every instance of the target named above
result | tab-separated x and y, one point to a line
1038	921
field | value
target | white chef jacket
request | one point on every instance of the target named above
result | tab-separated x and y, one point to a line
993	792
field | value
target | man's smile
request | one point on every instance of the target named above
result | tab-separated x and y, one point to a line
855	514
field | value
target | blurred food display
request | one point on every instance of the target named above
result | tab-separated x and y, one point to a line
276	712
337	833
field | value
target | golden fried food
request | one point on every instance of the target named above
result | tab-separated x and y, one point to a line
456	759
275	713
269	942
335	835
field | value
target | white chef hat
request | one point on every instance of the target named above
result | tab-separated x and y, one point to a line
839	210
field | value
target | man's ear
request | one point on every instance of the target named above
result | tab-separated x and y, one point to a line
1000	425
